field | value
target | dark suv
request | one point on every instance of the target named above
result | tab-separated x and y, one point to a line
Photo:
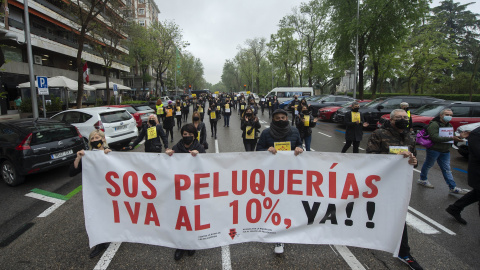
30	146
383	105
327	101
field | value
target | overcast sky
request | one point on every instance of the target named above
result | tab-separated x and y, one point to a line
215	28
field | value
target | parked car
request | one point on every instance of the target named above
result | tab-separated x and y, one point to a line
119	125
374	110
287	93
329	113
144	109
29	146
462	147
327	101
464	112
132	111
284	105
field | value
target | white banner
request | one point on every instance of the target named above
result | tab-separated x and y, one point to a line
213	200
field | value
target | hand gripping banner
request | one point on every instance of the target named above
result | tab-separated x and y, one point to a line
213	200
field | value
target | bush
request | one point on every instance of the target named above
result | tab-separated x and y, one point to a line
26	106
134	102
55	105
456	97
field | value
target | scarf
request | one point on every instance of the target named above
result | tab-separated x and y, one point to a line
279	133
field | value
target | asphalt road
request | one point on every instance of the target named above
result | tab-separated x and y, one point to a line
59	240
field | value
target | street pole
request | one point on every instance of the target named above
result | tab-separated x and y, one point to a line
176	66
356	52
33	91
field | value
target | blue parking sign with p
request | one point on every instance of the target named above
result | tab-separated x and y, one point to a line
42	85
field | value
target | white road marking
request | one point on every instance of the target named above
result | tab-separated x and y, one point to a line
142	142
56	202
417	170
419	225
226	262
216	147
436	224
107	256
267	126
349	258
325	134
333	250
311	149
361	148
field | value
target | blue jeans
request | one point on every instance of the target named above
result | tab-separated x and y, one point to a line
226	120
308	141
443	160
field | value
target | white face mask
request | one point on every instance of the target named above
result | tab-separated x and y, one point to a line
447	118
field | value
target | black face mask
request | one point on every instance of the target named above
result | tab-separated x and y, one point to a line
406	109
305	112
355	109
248	114
152	122
96	144
281	123
196	118
188	140
401	124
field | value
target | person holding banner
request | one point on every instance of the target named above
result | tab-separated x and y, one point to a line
227	111
96	141
250	127
213	113
202	131
151	133
168	121
354	122
442	135
305	121
188	144
280	136
396	139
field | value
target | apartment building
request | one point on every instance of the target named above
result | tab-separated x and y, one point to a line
54	44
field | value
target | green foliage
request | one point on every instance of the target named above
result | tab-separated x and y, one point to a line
55	105
98	102
454	97
124	102
26	106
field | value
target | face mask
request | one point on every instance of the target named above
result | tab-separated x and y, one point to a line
248	114
355	109
305	112
188	140
281	123
401	124
447	118
196	118
152	122
96	144
406	109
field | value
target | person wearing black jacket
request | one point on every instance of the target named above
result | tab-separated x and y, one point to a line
185	109
242	106
305	121
169	121
213	113
273	104
354	122
293	108
201	129
151	132
178	113
473	177
275	138
188	144
262	103
250	127
227	111
96	141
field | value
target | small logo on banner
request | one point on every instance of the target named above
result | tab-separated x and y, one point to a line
233	233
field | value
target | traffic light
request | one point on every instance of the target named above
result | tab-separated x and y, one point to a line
244	87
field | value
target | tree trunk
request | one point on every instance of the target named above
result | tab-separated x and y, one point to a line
107	82
375	79
80	39
471	85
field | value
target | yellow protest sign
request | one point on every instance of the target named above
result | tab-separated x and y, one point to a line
242	107
248	92
151	133
178	108
194	95
218	108
283	146
270	104
252	135
200	109
356	117
160	110
213	115
169	112
397	149
307	120
227	106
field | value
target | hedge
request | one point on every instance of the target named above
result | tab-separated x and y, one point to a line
456	97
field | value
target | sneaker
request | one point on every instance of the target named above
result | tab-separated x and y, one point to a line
410	261
279	248
456	214
425	183
457	190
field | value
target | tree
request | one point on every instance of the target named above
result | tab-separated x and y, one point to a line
191	71
141	47
257	48
284	52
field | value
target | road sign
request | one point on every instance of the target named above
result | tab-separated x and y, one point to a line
115	88
42	85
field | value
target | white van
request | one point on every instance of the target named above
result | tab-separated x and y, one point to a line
286	93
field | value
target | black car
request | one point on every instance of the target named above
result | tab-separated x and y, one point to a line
29	146
384	105
327	101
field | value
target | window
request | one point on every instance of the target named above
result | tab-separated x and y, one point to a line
475	111
7	135
58	117
141	1
141	11
460	111
391	104
413	103
141	22
117	116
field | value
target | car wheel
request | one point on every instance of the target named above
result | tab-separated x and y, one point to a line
10	174
333	116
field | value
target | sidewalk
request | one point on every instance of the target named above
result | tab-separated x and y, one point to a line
11	114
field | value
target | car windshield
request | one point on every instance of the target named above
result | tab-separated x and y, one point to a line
143	108
374	103
117	116
52	134
347	105
130	110
430	110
